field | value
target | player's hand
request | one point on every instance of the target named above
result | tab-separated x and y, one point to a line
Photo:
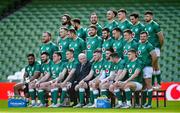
81	82
37	84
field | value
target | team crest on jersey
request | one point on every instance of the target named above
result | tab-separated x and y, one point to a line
107	71
125	52
88	46
139	52
130	70
97	71
28	69
60	47
103	49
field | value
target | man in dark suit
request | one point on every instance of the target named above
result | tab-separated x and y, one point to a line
82	70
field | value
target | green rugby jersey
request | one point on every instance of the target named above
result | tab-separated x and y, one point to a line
78	46
92	44
56	69
144	50
97	67
118	46
153	28
106	45
63	45
111	26
49	47
126	24
31	69
137	29
131	68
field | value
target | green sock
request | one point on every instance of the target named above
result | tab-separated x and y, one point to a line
118	94
104	92
95	94
144	95
63	95
153	79
55	96
149	93
136	97
81	95
52	95
32	94
41	94
128	94
91	96
158	79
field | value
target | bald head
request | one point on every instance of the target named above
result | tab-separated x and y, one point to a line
82	58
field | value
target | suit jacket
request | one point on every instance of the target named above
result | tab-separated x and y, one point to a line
81	73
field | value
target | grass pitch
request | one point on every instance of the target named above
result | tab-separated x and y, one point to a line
172	107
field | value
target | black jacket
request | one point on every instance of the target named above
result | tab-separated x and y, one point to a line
81	73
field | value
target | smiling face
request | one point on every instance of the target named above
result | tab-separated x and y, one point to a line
94	19
110	15
143	37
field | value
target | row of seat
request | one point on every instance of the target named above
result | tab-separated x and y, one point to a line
21	31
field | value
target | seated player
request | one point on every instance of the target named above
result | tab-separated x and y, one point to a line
119	65
45	77
32	72
134	82
69	69
108	73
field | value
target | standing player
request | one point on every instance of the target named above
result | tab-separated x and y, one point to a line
148	56
107	41
123	23
156	38
93	42
63	42
111	22
94	21
119	41
77	44
48	46
130	43
32	72
134	82
66	21
137	26
81	32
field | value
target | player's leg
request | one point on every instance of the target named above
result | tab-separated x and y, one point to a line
135	86
81	89
18	87
118	94
42	93
104	89
54	94
32	93
147	76
157	72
